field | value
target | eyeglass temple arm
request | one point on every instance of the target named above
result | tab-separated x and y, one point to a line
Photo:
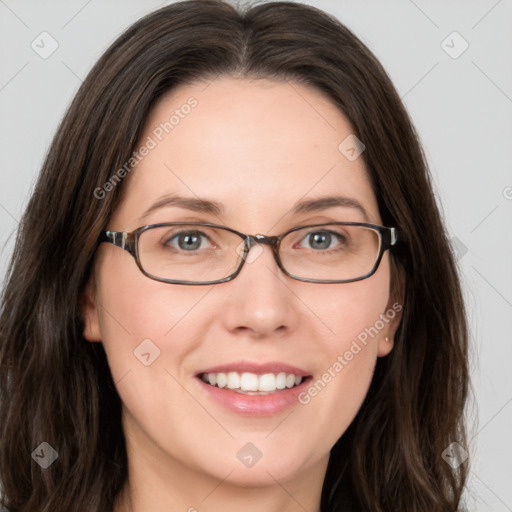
391	236
120	239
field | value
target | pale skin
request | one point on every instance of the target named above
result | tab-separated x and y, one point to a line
255	147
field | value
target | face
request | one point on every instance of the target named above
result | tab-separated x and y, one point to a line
256	148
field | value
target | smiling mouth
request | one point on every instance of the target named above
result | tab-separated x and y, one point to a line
248	383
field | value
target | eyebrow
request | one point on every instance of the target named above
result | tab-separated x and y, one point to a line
322	203
188	203
215	208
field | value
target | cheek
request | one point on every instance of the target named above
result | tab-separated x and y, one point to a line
140	319
348	354
351	310
335	397
148	330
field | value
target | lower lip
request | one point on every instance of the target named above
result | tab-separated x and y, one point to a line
255	405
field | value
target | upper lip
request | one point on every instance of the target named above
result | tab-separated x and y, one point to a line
255	367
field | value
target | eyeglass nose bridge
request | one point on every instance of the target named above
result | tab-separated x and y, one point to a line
251	240
262	239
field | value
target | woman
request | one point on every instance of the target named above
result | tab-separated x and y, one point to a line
232	287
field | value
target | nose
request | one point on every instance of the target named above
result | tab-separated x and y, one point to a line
260	301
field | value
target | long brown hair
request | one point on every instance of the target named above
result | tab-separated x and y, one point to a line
57	388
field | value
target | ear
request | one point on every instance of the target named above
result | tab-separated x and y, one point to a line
89	311
392	316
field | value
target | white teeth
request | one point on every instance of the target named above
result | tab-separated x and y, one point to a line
267	382
233	380
281	380
222	380
248	381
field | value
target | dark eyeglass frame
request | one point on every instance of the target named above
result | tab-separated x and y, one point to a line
129	241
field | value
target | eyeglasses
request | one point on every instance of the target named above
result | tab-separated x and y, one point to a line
201	253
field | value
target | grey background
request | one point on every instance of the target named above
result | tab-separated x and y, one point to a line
461	107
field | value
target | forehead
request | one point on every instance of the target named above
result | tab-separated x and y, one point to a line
255	146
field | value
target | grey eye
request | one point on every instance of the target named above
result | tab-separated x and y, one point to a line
319	240
187	240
